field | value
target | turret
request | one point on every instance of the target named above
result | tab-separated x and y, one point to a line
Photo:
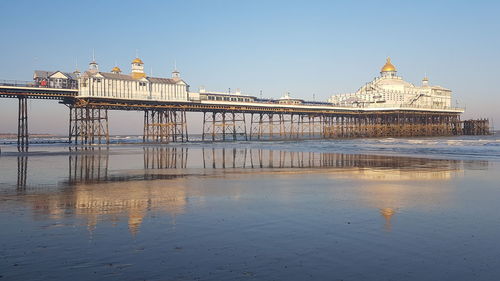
176	74
93	66
425	81
138	69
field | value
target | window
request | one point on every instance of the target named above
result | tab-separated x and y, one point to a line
142	84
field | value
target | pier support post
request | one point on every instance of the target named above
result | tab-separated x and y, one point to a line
90	167
164	126
22	125
88	125
270	125
22	172
476	127
222	126
309	126
165	157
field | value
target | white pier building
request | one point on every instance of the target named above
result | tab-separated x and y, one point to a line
390	90
135	86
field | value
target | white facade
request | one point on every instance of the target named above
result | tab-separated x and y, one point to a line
137	85
390	90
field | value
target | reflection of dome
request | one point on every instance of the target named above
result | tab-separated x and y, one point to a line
134	221
387	213
137	60
388	66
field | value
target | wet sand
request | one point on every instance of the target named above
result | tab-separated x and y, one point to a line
208	213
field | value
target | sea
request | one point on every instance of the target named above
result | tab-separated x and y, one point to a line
422	208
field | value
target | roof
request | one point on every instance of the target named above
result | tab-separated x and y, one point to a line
137	60
116	76
47	74
436	87
119	76
162	80
388	66
42	73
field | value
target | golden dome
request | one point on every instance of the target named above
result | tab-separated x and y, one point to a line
137	60
388	66
116	69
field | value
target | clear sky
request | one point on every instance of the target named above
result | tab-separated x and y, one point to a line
304	47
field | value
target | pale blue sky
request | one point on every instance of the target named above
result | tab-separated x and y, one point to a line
304	47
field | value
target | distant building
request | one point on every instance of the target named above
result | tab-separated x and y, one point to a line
390	90
137	85
286	99
205	95
56	79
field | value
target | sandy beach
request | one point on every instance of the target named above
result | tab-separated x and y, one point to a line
203	212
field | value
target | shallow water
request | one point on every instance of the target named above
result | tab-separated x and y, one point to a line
373	209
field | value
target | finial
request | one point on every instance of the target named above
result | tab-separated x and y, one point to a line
136	53
93	54
389	59
425	80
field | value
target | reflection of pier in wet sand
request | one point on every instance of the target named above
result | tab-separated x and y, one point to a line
94	189
91	165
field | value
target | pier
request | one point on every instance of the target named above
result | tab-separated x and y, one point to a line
386	107
224	121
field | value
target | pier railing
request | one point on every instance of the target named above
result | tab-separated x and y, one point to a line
412	106
19	83
30	84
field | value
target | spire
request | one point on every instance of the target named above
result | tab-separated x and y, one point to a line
175	73
93	66
425	80
77	72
